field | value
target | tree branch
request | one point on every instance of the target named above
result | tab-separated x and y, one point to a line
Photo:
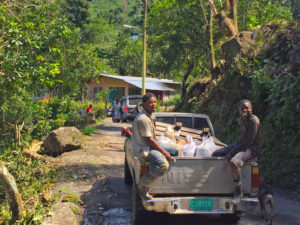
212	5
12	194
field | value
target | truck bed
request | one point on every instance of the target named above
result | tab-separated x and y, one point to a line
199	176
196	175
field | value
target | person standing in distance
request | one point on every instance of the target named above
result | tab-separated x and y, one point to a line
89	109
145	147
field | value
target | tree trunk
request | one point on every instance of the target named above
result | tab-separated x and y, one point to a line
234	15
12	194
211	41
225	23
184	86
184	80
203	12
228	4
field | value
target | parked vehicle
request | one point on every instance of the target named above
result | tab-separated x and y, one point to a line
130	106
192	185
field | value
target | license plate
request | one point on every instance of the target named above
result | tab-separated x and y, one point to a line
201	204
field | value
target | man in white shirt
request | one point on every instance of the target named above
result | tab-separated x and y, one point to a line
146	148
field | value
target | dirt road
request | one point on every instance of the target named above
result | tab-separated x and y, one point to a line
92	190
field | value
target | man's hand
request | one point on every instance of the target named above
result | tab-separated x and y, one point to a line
224	167
167	155
155	145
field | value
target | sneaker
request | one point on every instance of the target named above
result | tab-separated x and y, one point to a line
143	191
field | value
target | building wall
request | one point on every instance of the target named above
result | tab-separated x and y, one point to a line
107	82
104	83
176	87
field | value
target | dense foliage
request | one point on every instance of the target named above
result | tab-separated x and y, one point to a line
41	54
273	86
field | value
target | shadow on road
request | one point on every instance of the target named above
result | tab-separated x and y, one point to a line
164	219
110	128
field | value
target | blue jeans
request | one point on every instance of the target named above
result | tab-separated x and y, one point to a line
158	166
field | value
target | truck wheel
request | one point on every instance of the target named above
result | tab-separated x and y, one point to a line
138	212
122	120
127	175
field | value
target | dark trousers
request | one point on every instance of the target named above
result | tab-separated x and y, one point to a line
222	152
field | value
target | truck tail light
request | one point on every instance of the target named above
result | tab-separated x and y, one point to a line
126	108
255	178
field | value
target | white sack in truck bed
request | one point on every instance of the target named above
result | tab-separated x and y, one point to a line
203	145
206	147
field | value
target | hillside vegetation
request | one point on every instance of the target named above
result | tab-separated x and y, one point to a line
271	82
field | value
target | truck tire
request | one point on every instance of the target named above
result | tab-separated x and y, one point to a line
127	175
122	120
138	212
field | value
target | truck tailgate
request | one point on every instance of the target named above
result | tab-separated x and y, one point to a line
198	176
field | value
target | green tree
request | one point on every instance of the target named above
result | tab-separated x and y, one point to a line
76	11
179	40
295	8
127	55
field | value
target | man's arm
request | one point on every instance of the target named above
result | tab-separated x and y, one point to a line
146	132
155	145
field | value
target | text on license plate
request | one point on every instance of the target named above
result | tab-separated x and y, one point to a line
201	204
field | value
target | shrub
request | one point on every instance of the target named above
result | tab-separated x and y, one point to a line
173	100
88	130
33	178
99	109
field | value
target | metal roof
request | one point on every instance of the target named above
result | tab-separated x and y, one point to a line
151	83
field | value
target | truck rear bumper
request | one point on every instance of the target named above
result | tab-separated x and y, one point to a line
181	205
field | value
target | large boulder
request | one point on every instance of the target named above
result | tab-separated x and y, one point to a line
62	140
255	43
241	45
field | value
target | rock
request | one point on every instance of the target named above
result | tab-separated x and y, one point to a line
255	43
90	118
241	45
265	36
117	216
62	140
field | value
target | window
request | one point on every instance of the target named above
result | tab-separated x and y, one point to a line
96	91
169	120
134	91
186	121
135	101
120	92
200	123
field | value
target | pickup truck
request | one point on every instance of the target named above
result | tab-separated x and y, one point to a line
192	185
131	107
